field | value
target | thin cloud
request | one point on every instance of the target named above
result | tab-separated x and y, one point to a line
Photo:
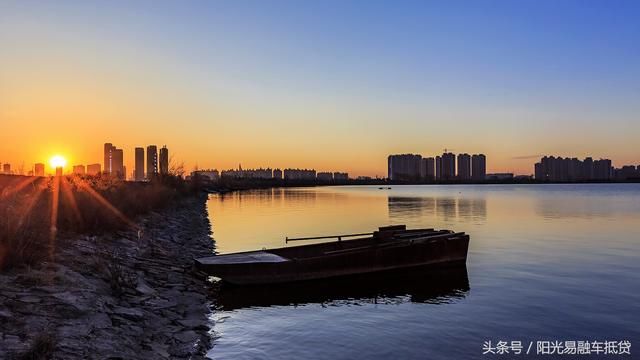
526	157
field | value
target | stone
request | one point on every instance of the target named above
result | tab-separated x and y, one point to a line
30	299
100	321
144	288
194	324
188	336
129	313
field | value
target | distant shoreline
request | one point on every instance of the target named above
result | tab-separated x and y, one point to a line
230	185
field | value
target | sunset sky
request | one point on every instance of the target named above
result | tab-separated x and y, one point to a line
333	85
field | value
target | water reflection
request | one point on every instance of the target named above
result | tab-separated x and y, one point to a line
448	209
268	196
434	286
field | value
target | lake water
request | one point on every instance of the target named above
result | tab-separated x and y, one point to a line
546	262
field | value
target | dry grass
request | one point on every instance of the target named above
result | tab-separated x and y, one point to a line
34	210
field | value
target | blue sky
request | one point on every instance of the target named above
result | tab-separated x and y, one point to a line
302	83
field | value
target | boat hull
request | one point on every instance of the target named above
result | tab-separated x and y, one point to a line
333	261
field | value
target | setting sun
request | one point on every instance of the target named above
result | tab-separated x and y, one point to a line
57	161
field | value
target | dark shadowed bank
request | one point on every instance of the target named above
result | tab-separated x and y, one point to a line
127	294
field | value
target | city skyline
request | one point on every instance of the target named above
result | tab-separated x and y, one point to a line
235	83
427	167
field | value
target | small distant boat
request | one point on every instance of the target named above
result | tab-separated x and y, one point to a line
389	248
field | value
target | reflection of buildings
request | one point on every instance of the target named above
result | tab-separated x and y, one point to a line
38	169
422	210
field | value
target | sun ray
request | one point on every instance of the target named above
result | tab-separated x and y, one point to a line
28	205
70	197
86	187
53	229
13	189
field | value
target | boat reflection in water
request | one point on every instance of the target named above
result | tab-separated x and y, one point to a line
418	285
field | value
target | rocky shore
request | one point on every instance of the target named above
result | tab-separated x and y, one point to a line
128	295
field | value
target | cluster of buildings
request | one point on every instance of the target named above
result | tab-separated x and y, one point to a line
412	167
113	164
559	169
277	174
259	173
157	163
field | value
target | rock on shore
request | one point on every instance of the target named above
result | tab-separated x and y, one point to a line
130	295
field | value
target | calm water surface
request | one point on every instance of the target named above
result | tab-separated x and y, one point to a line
546	262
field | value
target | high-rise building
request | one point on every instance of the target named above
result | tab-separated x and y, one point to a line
602	169
448	166
560	169
139	164
6	168
277	174
430	169
113	160
38	169
464	167
478	167
78	169
404	167
108	149
93	169
164	160
587	168
117	164
438	168
152	161
59	171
